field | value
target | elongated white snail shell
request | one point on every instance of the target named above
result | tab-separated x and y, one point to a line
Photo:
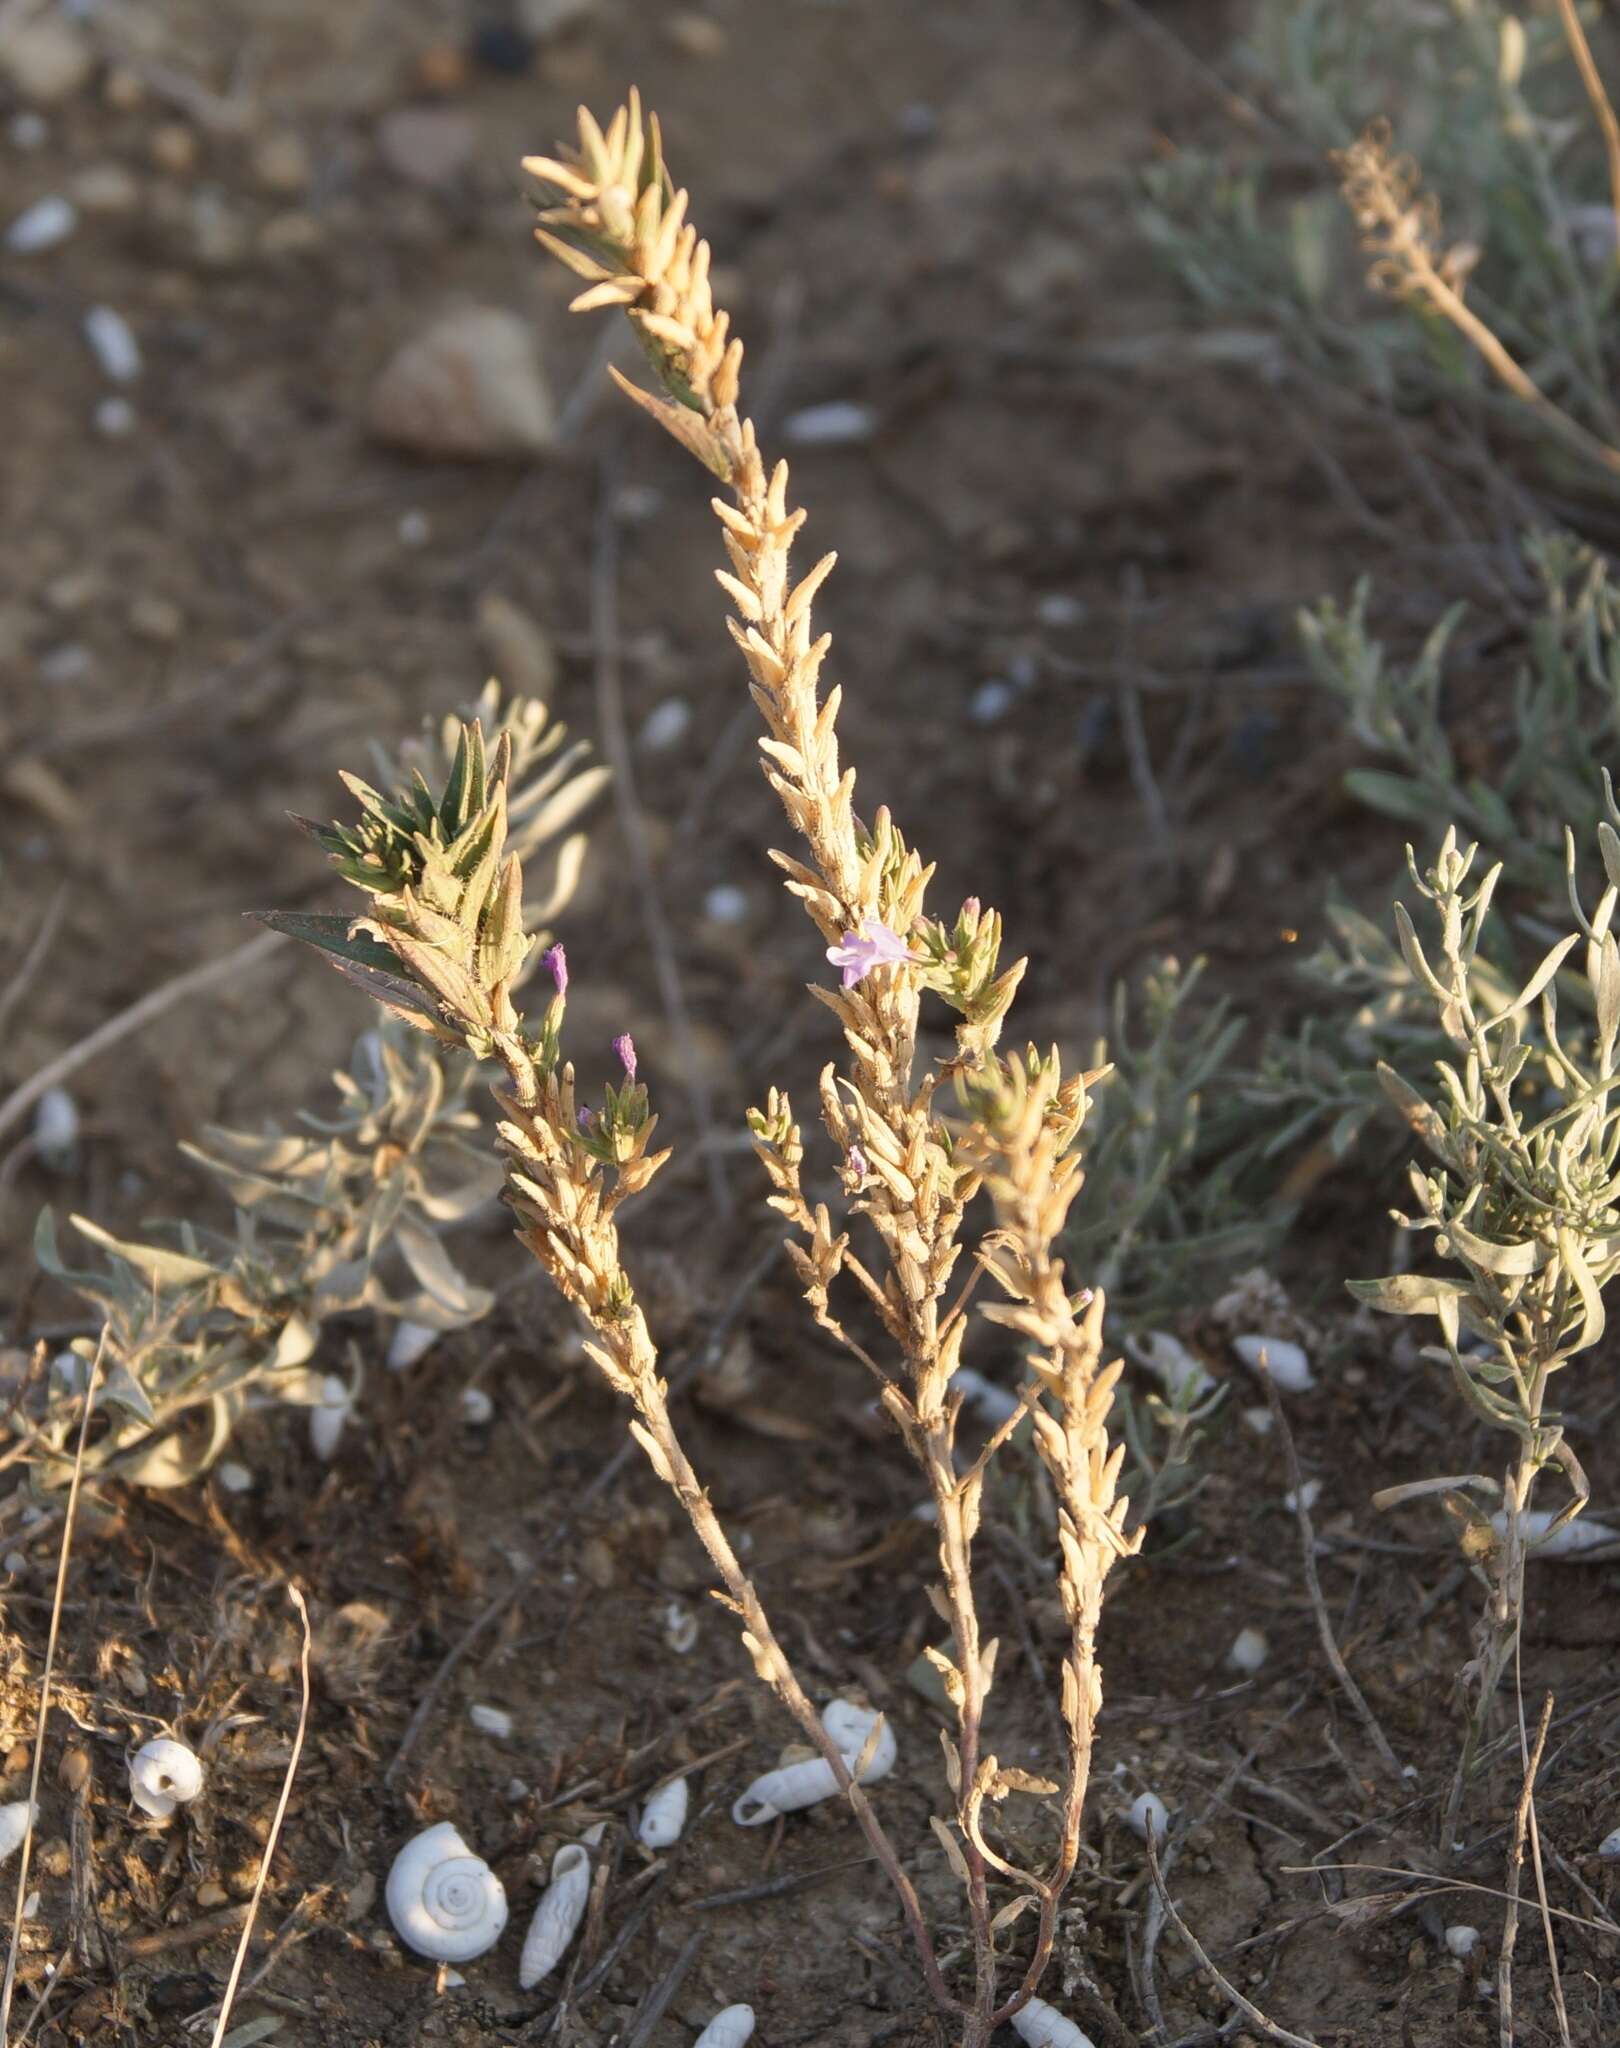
164	1774
557	1917
326	1421
14	1821
664	1815
445	1902
793	1786
728	2029
1041	2027
410	1342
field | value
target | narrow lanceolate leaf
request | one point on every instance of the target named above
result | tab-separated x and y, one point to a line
334	935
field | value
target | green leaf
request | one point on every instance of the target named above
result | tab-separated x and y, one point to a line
1396	796
162	1268
333	935
1407	1294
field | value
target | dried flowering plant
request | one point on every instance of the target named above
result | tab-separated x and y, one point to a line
443	944
1522	1196
343	1213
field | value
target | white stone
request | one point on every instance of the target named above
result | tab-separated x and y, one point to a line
725	903
838	424
1286	1361
470	386
666	725
46	59
235	1478
113	344
494	1721
476	1407
44	225
1249	1651
991	701
116	419
56	1129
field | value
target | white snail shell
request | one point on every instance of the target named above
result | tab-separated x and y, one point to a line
1148	1816
326	1421
408	1343
1461	1942
1249	1651
728	2029
445	1902
164	1774
14	1821
1284	1360
793	1786
664	1815
557	1917
1039	2025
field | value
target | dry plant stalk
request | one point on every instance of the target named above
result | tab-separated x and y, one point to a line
1400	226
444	945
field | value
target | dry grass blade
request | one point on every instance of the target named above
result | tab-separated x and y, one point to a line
32	960
1250	2011
240	1958
8	1989
1313	1585
1523	1820
142	1012
1602	105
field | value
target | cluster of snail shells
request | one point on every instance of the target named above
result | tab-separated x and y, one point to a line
792	1786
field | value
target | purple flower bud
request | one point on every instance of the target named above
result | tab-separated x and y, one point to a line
970	910
555	960
585	1118
626	1050
855	1160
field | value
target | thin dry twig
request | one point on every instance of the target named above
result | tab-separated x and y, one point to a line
1250	2011
1523	1820
1400	226
139	1014
1602	105
8	1989
240	1957
38	947
1313	1584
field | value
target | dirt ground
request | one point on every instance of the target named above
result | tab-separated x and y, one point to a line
918	208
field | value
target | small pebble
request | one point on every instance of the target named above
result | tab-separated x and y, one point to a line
72	662
680	1627
476	1407
56	1130
1287	1363
327	1420
1609	1847
113	344
1309	1494
16	1563
494	1721
123	90
696	35
106	188
1148	1815
427	146
156	619
115	418
469	385
725	903
415	529
44	225
1260	1420
235	1478
991	701
174	148
516	1790
665	725
1462	1941
1057	608
1248	1652
281	164
503	48
918	122
838	424
28	130
46	59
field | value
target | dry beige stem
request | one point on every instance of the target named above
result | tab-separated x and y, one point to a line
1400	227
621	225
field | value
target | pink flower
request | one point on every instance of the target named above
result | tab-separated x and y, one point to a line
555	960
874	945
855	1161
627	1054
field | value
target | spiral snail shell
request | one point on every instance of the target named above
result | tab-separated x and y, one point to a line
445	1902
14	1821
792	1786
728	2029
664	1815
1040	2026
164	1774
557	1917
